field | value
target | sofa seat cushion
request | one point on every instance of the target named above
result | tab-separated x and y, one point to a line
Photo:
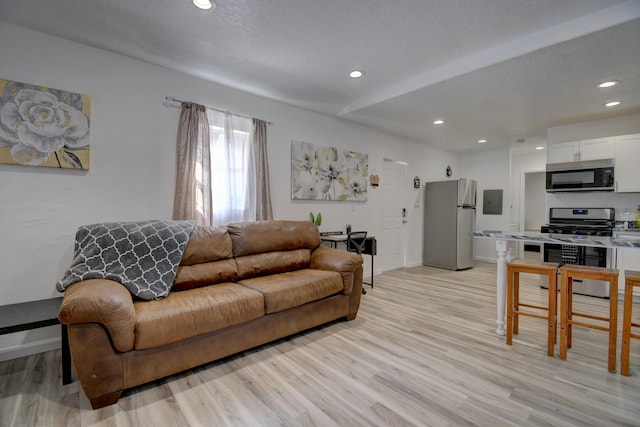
186	314
294	288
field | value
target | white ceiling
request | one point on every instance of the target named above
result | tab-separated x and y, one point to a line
496	69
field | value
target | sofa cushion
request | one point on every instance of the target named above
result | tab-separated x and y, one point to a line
272	263
207	260
208	273
294	288
183	315
207	244
268	236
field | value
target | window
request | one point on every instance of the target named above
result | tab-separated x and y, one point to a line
232	160
222	170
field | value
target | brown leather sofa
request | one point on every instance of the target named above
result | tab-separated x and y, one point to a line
237	287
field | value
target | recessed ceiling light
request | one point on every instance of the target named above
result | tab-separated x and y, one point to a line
482	141
205	4
356	74
438	122
540	148
609	83
612	104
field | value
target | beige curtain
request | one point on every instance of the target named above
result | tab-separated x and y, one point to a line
192	199
263	193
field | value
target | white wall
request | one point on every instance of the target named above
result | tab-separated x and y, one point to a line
132	166
491	170
624	125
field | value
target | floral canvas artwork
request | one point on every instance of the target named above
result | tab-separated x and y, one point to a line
40	126
327	173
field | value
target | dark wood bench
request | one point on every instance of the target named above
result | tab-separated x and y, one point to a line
37	314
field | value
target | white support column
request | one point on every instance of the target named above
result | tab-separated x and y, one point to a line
501	284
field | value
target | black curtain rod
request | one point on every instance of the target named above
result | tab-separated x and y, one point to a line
171	102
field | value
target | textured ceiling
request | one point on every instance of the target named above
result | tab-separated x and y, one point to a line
495	69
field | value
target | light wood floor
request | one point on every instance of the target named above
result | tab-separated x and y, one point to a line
422	351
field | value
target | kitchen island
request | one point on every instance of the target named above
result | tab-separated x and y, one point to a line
504	255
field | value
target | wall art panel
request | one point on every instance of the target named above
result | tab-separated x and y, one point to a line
327	173
40	126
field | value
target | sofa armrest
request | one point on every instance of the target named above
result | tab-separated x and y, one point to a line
101	301
346	263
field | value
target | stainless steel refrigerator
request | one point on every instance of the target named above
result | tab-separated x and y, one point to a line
449	219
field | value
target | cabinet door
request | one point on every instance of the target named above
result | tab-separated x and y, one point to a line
627	259
594	149
627	166
563	152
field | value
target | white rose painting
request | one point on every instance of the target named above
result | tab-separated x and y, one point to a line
326	173
40	126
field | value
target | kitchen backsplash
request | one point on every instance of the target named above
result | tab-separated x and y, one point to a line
625	204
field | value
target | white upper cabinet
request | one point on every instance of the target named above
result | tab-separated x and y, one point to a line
627	164
563	152
589	149
593	149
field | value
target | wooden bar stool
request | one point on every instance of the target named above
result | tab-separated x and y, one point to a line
549	269
632	278
568	272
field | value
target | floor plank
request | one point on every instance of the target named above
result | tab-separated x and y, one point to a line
422	351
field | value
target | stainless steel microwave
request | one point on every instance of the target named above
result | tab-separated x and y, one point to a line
590	175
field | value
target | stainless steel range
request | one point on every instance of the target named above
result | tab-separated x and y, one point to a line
581	221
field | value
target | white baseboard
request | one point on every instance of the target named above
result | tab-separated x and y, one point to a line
485	259
28	349
367	277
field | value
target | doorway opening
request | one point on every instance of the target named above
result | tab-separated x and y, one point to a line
533	212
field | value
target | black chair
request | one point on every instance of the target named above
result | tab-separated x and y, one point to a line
355	243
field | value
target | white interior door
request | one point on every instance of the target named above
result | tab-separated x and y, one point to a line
392	245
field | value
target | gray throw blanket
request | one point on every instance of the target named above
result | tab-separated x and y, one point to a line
143	256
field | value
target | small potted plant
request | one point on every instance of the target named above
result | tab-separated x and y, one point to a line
317	220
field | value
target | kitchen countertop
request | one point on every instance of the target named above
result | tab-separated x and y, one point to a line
502	248
566	239
626	230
